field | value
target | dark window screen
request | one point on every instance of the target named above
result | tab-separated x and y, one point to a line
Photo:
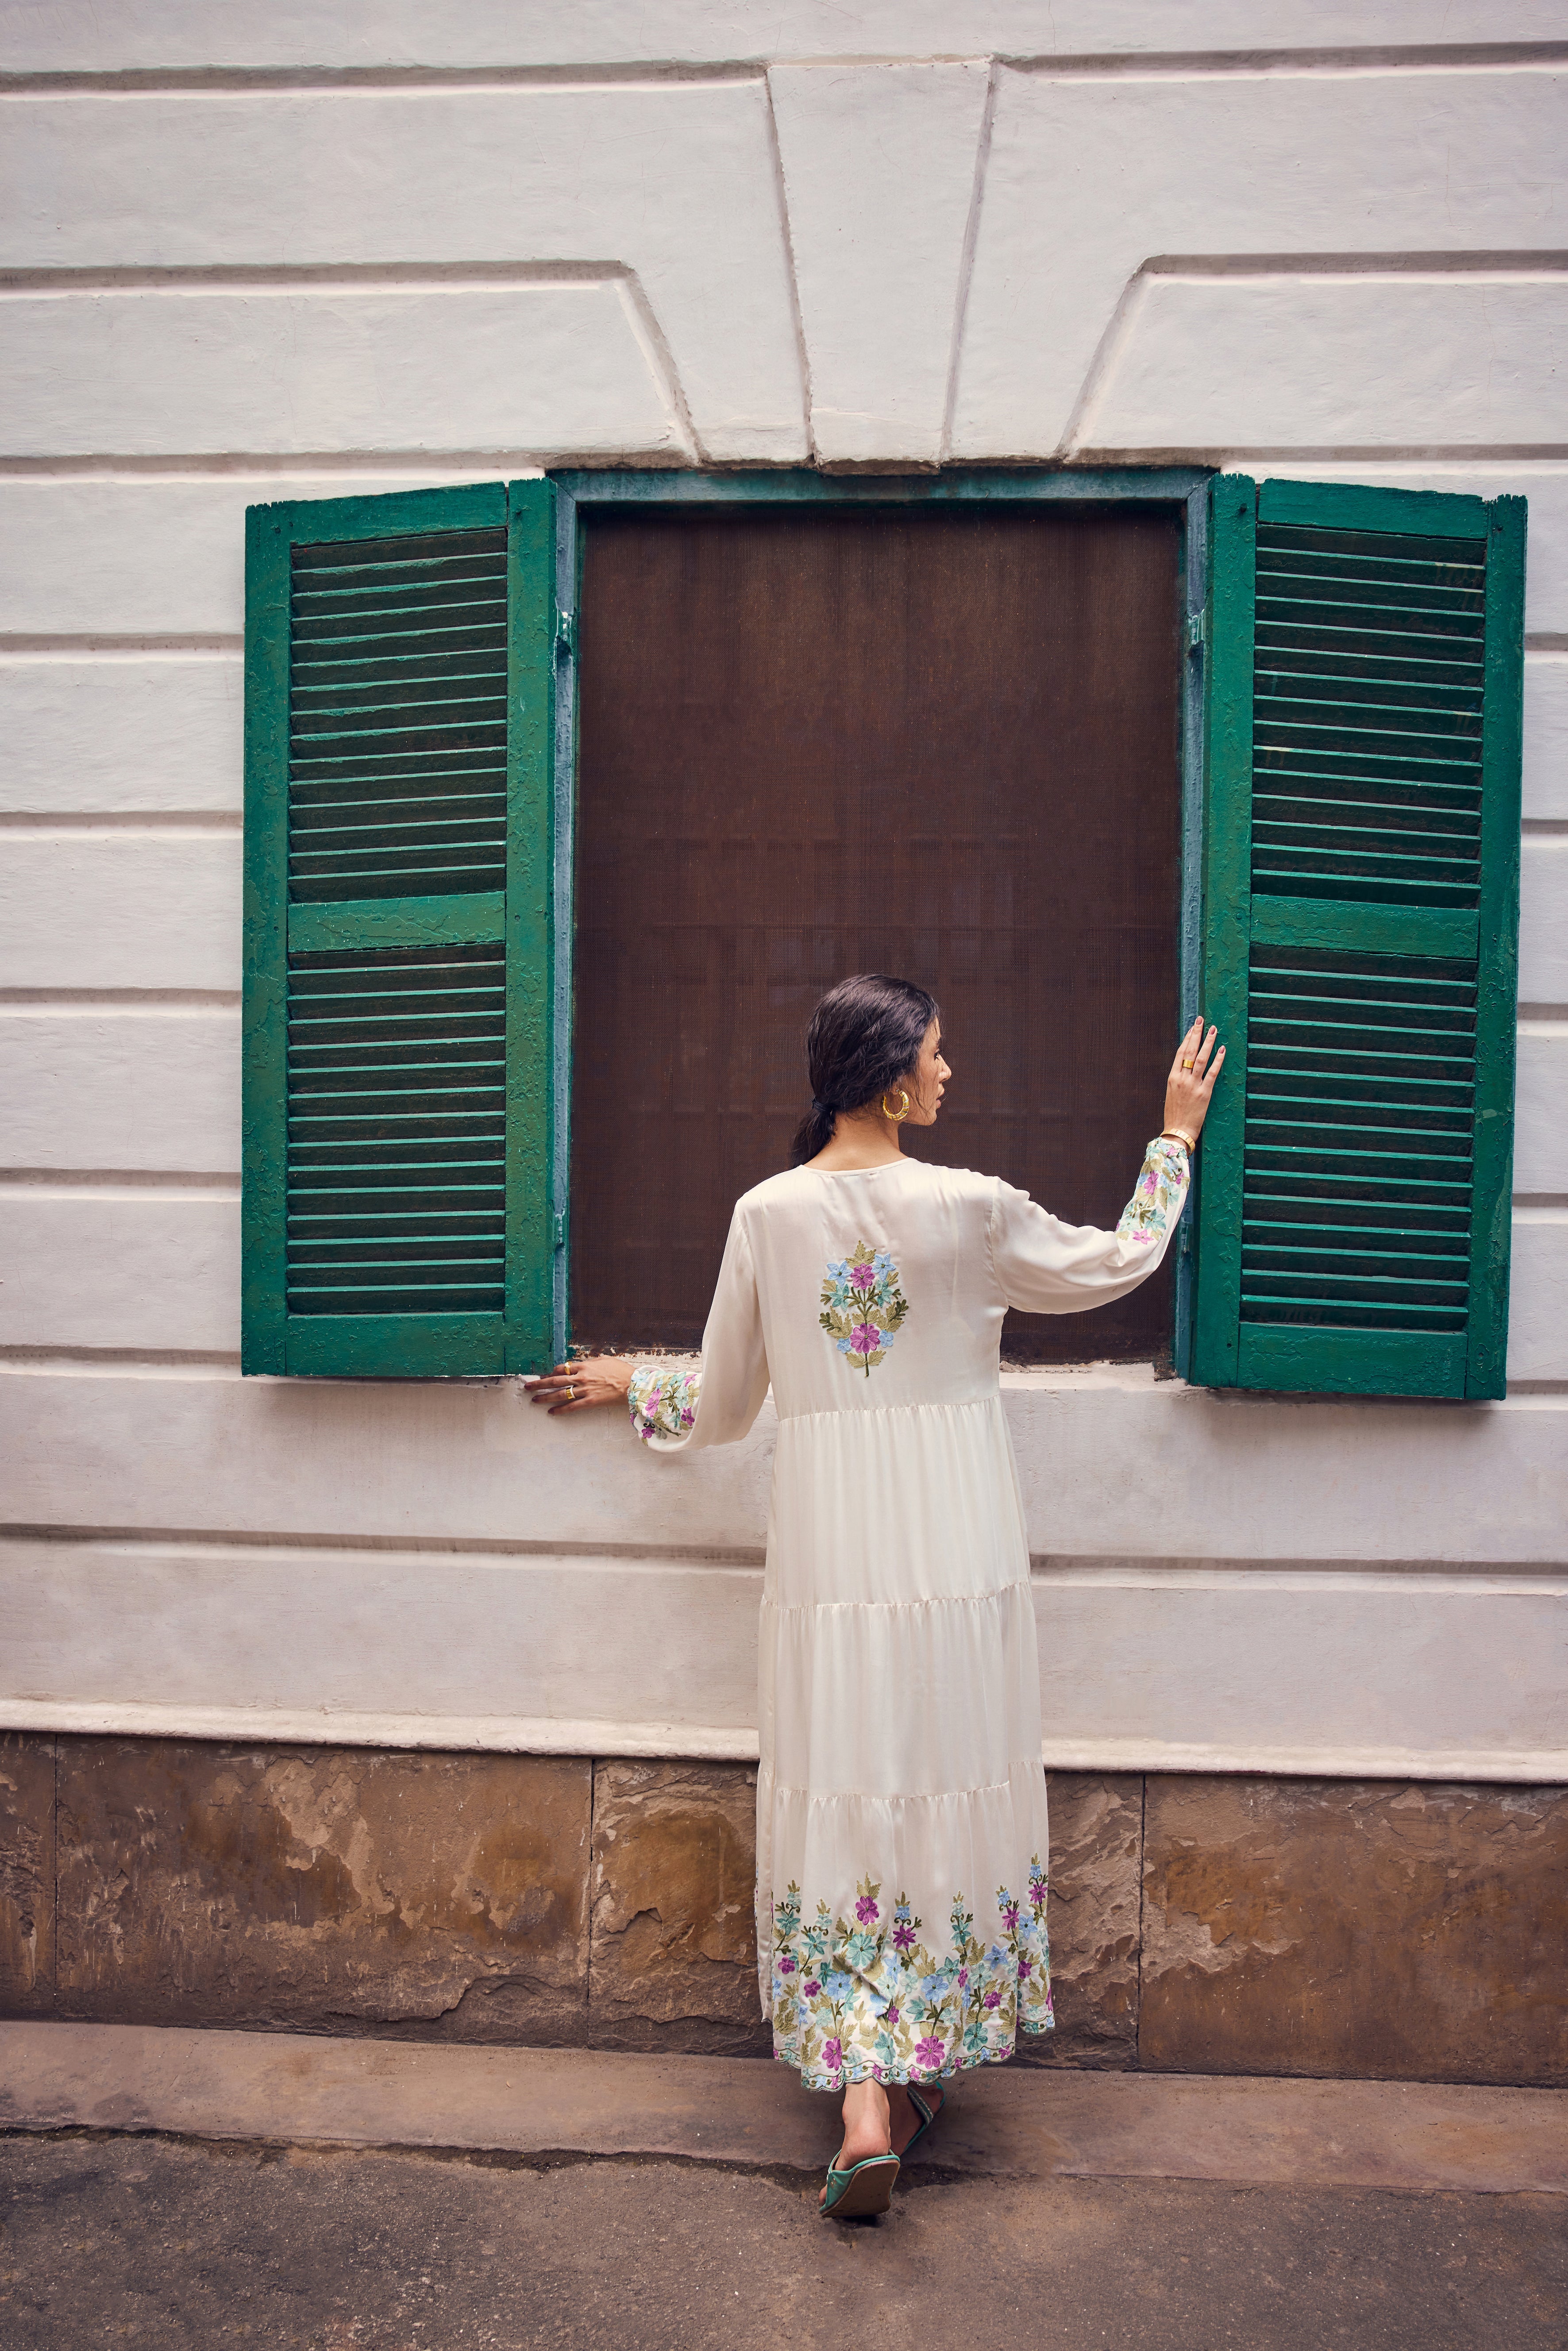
942	744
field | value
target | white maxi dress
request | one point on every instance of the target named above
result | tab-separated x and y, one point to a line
900	1815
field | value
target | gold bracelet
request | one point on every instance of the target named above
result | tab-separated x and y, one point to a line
1174	1134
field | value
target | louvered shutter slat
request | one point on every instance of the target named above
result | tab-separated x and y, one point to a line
371	703
359	1099
1361	868
397	808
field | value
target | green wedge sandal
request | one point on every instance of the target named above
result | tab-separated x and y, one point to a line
864	2188
927	2114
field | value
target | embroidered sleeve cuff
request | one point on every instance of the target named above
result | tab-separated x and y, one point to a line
663	1399
1158	1195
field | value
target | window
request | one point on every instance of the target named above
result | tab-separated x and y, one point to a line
1361	890
938	727
825	738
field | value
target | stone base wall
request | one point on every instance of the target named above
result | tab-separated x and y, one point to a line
1198	1925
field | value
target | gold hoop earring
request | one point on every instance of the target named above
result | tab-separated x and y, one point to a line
902	1112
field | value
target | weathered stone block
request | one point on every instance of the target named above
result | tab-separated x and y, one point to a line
675	1940
26	1873
342	1887
1096	1839
1352	1927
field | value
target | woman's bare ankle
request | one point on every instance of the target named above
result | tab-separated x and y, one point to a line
868	2122
867	2130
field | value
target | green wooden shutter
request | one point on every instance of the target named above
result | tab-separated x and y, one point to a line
1365	652
399	722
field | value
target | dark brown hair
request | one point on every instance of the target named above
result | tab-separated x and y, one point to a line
865	1036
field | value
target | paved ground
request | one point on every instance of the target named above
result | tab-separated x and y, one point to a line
154	2242
206	2190
1010	2122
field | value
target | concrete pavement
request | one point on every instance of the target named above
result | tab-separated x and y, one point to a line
1011	2121
200	2247
183	2191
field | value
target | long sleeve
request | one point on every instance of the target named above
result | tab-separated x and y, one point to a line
715	1402
1048	1267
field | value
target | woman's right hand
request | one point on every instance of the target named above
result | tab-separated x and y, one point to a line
578	1387
1190	1084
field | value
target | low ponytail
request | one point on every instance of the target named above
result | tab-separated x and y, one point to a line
814	1132
865	1036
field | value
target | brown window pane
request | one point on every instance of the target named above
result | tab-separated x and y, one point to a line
939	744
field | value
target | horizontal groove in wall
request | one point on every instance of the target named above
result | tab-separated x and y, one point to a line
19	647
551	1735
1442	262
65	1363
120	999
118	1179
1459	57
1528	1207
435	467
193	824
199	822
135	81
1143	1572
213	1542
1496	1578
479	275
463	277
1370	453
1068	1379
132	82
176	1191
1546	1017
426	465
151	1356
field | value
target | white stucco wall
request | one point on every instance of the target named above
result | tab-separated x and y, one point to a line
311	249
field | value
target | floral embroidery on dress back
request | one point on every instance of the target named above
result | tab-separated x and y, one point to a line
862	1305
865	1998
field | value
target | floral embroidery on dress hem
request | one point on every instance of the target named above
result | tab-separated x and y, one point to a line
862	1305
864	1999
1158	1195
663	1399
872	2073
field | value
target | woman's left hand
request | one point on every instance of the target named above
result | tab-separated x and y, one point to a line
578	1387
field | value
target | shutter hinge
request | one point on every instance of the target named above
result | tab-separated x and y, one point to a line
1195	633
566	632
558	1229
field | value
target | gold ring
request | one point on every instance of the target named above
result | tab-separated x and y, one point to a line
570	1392
1187	1065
